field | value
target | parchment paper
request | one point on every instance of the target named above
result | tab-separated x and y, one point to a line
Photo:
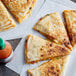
49	7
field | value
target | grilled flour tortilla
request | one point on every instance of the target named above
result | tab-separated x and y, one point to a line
38	49
55	67
53	28
20	8
6	21
70	19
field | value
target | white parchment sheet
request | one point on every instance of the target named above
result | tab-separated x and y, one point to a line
22	30
67	3
50	7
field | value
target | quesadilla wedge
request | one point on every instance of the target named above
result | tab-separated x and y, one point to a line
37	49
55	67
6	21
70	19
21	9
53	28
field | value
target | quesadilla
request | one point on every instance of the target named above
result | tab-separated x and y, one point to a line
37	49
55	67
53	28
6	21
21	9
70	19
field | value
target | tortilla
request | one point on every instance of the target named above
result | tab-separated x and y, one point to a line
70	19
55	67
21	9
53	28
6	21
37	49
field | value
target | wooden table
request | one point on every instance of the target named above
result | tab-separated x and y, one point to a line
4	71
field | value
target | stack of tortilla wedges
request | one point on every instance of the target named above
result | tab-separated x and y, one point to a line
20	9
56	48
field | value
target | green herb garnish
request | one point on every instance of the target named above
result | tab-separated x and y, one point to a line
47	14
57	57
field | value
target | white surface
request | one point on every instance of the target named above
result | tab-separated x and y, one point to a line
67	3
18	63
71	69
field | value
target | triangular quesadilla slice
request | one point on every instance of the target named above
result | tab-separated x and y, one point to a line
21	9
38	49
53	28
70	19
55	67
6	21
